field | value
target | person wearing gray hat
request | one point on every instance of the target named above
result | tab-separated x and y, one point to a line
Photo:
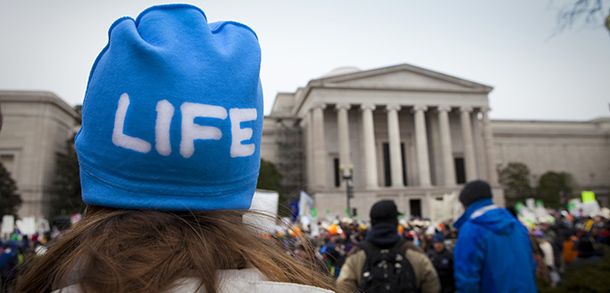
493	252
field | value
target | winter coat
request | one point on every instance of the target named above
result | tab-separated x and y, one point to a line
246	280
443	263
9	260
493	252
569	252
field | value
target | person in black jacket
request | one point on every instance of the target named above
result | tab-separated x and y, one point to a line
442	260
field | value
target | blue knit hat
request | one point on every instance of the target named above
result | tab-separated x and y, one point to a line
173	114
438	238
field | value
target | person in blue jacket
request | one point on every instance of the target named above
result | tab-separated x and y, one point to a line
493	252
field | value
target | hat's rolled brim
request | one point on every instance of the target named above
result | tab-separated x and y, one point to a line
96	191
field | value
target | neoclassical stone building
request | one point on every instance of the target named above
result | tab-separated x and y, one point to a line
402	132
412	135
36	126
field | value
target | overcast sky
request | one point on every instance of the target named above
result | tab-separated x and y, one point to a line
51	46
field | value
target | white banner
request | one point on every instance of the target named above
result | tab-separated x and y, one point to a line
448	209
314	229
574	207
531	204
591	209
27	225
8	224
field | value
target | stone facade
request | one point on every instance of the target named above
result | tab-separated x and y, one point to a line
36	126
412	135
401	132
579	148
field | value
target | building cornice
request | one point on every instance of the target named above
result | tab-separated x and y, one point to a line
318	85
336	82
37	97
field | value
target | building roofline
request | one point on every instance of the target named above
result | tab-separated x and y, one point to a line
326	82
404	66
595	120
37	97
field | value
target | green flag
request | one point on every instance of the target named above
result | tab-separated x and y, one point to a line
314	213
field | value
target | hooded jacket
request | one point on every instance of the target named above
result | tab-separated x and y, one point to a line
443	263
493	252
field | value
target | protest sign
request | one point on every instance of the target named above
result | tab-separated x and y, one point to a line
8	224
305	204
574	207
590	207
27	225
587	196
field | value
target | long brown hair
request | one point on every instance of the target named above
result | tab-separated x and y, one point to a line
114	250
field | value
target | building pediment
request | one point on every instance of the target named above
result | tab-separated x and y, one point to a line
400	77
403	84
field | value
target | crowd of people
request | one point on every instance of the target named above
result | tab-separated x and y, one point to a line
18	250
555	245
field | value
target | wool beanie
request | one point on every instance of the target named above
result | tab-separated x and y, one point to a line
438	238
475	190
173	112
384	211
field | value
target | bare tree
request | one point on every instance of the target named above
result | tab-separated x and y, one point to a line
586	13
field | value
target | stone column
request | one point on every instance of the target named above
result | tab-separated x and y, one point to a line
492	175
368	136
421	140
469	160
446	149
394	142
343	136
318	145
308	151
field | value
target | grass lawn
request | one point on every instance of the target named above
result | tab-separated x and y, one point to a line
588	276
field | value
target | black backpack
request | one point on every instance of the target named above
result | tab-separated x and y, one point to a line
386	270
